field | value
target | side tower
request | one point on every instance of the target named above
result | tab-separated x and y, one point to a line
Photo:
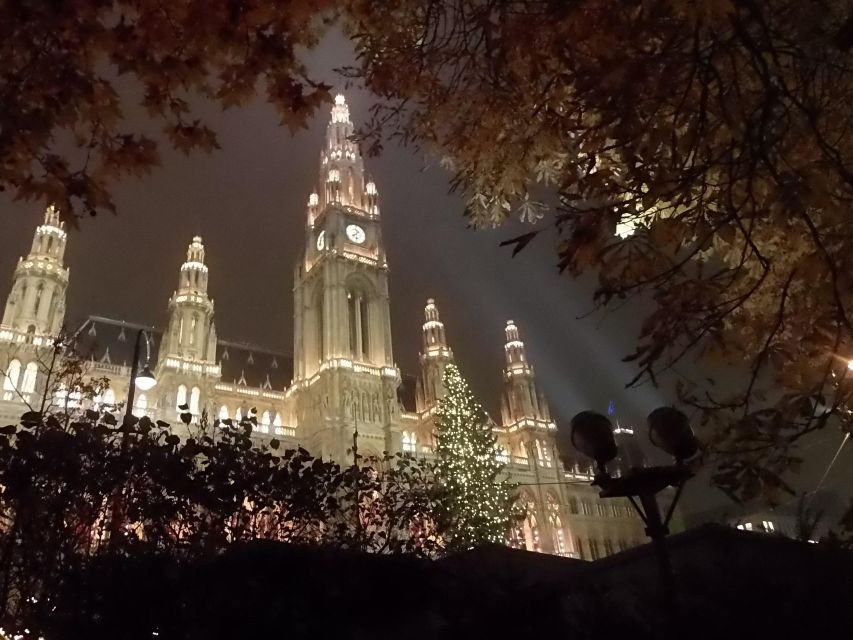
34	314
434	357
345	378
35	308
522	404
187	369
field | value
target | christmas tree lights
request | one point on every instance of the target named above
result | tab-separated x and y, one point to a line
479	497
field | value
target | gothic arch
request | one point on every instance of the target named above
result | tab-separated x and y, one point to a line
317	297
361	295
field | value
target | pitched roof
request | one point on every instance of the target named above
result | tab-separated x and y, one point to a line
111	341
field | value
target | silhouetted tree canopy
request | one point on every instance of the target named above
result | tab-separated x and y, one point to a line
712	134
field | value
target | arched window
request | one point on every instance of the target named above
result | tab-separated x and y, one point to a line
276	423
140	405
193	326
543	455
321	321
28	384
502	455
238	416
409	442
265	422
529	526
531	533
358	315
181	397
195	396
13	372
109	398
39	293
223	412
558	536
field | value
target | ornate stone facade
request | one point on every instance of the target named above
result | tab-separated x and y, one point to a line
342	384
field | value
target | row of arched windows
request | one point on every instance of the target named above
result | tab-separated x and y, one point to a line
593	549
20	380
266	421
193	401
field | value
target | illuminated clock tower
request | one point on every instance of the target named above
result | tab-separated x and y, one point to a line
345	379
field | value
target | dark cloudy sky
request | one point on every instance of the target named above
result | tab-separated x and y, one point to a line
248	203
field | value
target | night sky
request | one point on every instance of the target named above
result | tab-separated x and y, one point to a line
247	201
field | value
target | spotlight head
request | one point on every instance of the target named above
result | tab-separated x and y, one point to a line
670	431
591	434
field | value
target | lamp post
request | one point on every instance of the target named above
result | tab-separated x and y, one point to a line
591	434
144	379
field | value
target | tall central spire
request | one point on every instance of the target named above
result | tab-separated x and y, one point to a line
342	169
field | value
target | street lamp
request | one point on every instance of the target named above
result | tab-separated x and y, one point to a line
144	379
592	434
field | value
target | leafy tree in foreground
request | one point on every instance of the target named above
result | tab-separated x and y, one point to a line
67	478
479	500
712	136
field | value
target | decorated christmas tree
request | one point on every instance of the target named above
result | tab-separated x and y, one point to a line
480	500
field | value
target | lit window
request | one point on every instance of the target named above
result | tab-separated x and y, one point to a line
195	395
10	382
265	422
768	525
409	442
181	397
223	412
109	398
502	455
140	406
28	385
531	531
748	526
60	395
558	536
238	416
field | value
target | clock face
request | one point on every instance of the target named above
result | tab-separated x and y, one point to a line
321	241
355	233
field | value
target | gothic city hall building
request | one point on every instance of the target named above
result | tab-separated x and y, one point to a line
341	376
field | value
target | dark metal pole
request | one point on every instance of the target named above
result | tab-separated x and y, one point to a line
134	370
657	531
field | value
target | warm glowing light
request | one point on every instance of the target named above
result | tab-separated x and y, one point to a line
145	380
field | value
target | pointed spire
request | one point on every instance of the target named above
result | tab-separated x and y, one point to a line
514	347
51	217
434	337
521	401
193	278
342	178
